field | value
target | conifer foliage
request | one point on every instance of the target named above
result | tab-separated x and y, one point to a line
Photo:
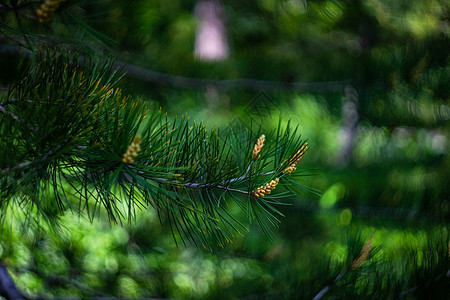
71	140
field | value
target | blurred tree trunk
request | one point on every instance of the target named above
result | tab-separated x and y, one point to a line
350	118
211	42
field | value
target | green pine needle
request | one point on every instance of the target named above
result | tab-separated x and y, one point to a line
69	129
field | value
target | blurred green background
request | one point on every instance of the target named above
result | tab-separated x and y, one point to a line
367	82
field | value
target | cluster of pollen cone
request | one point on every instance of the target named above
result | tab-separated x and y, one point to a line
270	186
45	12
132	151
297	158
266	189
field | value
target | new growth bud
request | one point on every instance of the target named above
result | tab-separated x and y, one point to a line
132	151
295	159
258	147
266	189
363	255
45	12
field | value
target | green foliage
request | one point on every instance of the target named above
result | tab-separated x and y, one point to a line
383	165
65	135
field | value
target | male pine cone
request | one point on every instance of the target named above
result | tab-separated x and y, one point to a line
266	189
132	151
258	147
45	12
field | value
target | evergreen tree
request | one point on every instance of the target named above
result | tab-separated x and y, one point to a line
72	142
65	124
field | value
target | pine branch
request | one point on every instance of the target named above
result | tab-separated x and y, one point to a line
356	263
3	110
208	186
35	162
76	129
329	286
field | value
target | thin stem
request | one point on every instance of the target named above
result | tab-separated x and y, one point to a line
198	185
329	286
239	178
243	176
218	186
9	101
34	162
6	112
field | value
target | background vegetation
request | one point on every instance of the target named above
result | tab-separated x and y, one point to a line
366	81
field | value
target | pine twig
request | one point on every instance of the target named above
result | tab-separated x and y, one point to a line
243	176
329	286
363	255
34	162
199	185
6	112
9	101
